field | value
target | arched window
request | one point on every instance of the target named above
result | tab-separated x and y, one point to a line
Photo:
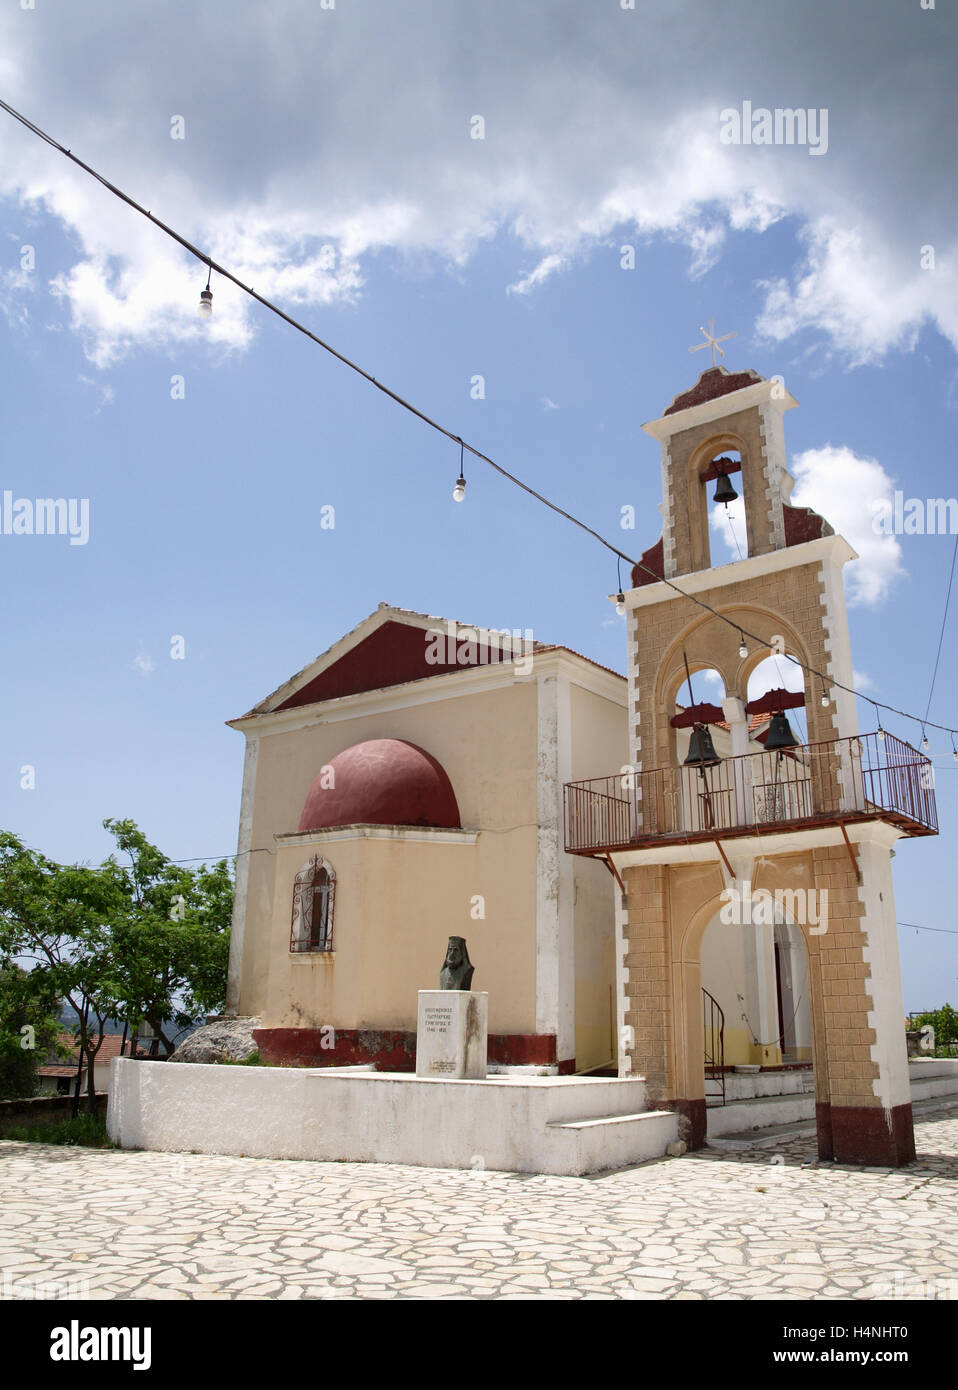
314	888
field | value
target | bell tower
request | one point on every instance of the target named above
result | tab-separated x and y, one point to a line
809	827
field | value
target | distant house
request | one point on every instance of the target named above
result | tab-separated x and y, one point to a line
58	1075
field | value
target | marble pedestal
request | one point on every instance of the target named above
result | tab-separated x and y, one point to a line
452	1036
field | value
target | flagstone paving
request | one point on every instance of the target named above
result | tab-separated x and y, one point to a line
750	1225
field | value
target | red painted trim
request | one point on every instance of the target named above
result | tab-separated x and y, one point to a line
714	382
703	713
653	559
392	655
392	1050
693	1124
866	1134
522	1049
802	524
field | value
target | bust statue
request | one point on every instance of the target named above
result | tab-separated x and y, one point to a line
457	969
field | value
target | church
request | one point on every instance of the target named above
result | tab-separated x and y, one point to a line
651	885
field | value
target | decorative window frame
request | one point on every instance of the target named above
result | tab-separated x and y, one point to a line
317	877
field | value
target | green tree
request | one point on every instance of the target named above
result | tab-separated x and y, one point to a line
944	1021
29	1026
147	940
171	943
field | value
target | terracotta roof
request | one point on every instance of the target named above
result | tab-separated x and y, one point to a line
108	1049
714	382
387	655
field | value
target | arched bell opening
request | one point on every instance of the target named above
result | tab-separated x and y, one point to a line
700	747
716	481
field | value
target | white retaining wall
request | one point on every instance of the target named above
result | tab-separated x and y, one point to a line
514	1124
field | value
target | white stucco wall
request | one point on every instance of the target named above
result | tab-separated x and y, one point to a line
561	1125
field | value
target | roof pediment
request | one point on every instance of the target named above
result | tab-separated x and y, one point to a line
391	647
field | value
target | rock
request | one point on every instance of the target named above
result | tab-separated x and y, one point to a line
226	1040
676	1150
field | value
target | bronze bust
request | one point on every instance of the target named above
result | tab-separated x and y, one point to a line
457	969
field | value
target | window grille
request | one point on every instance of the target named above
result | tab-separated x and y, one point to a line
314	890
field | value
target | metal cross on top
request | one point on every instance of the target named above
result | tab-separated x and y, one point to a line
711	341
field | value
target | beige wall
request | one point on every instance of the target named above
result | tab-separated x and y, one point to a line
397	902
389	934
487	744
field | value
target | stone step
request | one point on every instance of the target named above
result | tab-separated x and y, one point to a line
924	1068
759	1113
615	1141
771	1135
739	1086
934	1087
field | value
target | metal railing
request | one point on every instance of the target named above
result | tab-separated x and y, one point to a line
713	1026
868	777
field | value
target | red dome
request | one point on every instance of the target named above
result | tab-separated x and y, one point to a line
383	782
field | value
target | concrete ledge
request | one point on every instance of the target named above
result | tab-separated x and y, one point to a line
513	1124
30	1107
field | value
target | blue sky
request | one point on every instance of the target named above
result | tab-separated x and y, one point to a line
327	157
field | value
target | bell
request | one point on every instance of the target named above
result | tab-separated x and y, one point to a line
724	491
701	749
779	735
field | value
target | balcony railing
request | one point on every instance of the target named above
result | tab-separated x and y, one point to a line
851	779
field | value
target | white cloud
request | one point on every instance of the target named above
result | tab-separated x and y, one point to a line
775	673
105	392
846	490
143	662
315	138
863	296
546	267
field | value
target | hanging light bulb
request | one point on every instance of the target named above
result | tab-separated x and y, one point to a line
954	751
825	700
742	648
205	306
925	745
459	491
620	604
881	733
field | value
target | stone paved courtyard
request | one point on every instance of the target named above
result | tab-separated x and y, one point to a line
755	1224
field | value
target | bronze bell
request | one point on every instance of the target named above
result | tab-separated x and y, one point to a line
724	491
701	749
779	734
